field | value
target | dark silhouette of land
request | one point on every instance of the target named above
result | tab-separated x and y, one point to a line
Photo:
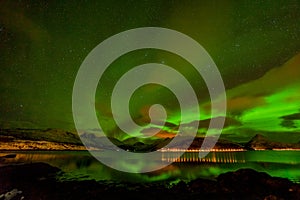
260	142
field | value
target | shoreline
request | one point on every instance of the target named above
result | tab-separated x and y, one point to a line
82	148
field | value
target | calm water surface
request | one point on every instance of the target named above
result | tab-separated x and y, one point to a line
80	165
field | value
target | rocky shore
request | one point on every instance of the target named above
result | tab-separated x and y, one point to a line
24	145
39	139
38	181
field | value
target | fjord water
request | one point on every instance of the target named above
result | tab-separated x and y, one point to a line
80	165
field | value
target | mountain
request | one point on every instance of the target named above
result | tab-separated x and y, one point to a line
147	144
197	143
131	144
57	139
51	135
39	139
260	142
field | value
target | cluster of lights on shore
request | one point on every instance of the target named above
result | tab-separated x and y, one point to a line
199	150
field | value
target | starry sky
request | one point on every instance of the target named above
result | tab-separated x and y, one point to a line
256	46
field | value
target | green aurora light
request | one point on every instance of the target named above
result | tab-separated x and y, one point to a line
254	44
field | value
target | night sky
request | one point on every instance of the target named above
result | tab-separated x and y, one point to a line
256	46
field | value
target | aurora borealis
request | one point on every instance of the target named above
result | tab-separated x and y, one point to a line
256	46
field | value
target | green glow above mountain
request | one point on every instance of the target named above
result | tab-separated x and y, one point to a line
255	46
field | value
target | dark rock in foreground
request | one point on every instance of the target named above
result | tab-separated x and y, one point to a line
257	184
37	181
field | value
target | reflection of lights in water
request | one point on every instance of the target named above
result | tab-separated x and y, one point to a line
213	157
29	157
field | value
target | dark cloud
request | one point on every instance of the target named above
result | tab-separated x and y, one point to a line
288	121
295	116
205	123
288	124
157	132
